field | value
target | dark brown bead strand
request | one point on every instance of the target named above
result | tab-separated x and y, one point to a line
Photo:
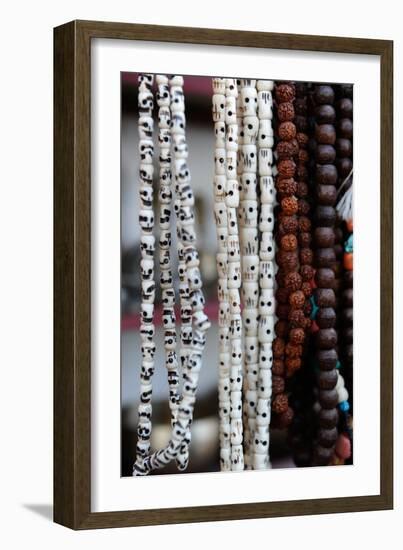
325	180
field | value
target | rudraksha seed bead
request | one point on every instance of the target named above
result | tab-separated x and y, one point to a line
278	348
297	336
293	350
307	272
296	318
292	364
285	93
286	186
281	328
297	299
280	403
325	154
287	131
282	311
326	317
289	224
302	139
285	149
328	399
278	367
304	224
289	243
328	418
327	437
286	168
284	419
327	379
293	281
289	205
306	256
303	207
285	111
323	95
307	311
303	155
278	385
282	295
305	239
327	359
307	289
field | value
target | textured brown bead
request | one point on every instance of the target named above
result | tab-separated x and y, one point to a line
345	128
325	257
282	295
348	297
278	367
306	256
326	317
344	147
285	111
325	134
289	242
325	215
345	107
286	168
325	297
324	237
278	348
290	205
297	299
326	338
289	224
328	418
286	260
304	224
285	149
301	122
285	92
281	328
286	186
327	359
302	172
305	240
303	156
284	419
301	105
297	336
325	154
292	364
326	194
293	351
326	174
296	318
328	398
323	95
327	437
293	281
307	272
278	385
302	139
282	311
325	114
327	379
303	207
302	189
287	131
307	289
280	403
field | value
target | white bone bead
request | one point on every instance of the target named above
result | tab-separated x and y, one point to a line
198	301
180	146
231	157
252	379
147	246
236	378
223	387
248	158
146	173
146	150
250	321
265	134
233	249
146	196
251	399
164	118
266	302
223	289
234	275
236	406
232	191
250	128
264	383
265	161
263	412
342	395
251	349
236	431
265	104
248	101
234	301
145	100
266	274
218	108
231	87
250	295
231	139
219	85
266	218
146	127
194	276
246	82
230	110
225	357
260	462
219	160
265	85
223	314
266	329
235	326
220	214
177	99
147	312
248	186
236	352
147	269
267	190
176	80
219	186
232	221
222	234
249	241
250	269
248	212
178	123
220	134
225	460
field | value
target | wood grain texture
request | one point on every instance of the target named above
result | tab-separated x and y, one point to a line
72	270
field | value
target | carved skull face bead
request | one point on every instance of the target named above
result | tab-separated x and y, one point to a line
250	295
219	160
249	241
249	101
251	378
247	83
225	459
165	239
234	301
236	431
219	130
230	167
145	411
264	382
248	186
265	134
266	218
165	217
194	362
222	265
148	350
234	275
170	340
148	292
224	356
233	249
224	409
201	320
164	157
176	80
147	369
265	161
164	118
230	110
145	81
186	215
165	176
250	129
184	291
147	269
162	95
147	333
248	214
168	318
186	335
263	412
266	302
164	138
219	186
147	245
248	158
186	234
191	257
231	139
186	312
146	220
261	461
146	126
266	329
235	326
146	174
146	196
194	277
261	441
250	269
144	429
231	87
250	321
147	312
182	173
232	221
265	104
267	189
265	85
236	405
168	297
146	149
225	432
219	85
266	274
267	247
251	402
166	279
220	214
236	351
232	193
177	99
178	123
145	101
251	349
223	291
218	108
235	378
223	314
222	235
199	340
197	300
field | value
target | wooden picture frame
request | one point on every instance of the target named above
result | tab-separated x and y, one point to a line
72	269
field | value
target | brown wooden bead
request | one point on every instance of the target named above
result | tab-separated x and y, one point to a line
327	379
325	154
303	156
323	455
325	257
304	224
306	256
325	114
327	437
347	316
326	195
325	297
348	335
344	147
284	419
348	297
345	107
326	338
287	131
328	418
345	128
323	94
297	299
325	215
326	317
327	359
285	111
302	139
278	348
344	166
281	328
328	399
348	278
326	174
324	237
325	134
302	189
282	311
301	105
303	207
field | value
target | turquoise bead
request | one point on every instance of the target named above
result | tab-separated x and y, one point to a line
348	246
344	406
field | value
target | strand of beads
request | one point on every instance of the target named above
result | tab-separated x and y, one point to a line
248	221
234	275
221	220
326	337
147	248
266	307
166	278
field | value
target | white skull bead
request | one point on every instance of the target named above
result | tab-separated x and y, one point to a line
266	302
194	276
176	80
163	98
250	295
249	241
248	214
266	274
263	412
177	99
251	402
147	269
220	214
147	246
250	129
219	130
264	383
219	85
232	221
222	235
223	314
248	158
252	377
267	189
248	186
218	108
264	104
146	149
261	441
234	300
219	160
231	158
231	87
250	269
146	174
248	101
164	118
265	135
251	349
266	218
236	431
223	291
145	126
265	161
233	249
236	351
235	331
219	186
250	321
231	138
266	329
234	275
236	405
145	101
265	85
178	123
230	110
222	265
235	379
